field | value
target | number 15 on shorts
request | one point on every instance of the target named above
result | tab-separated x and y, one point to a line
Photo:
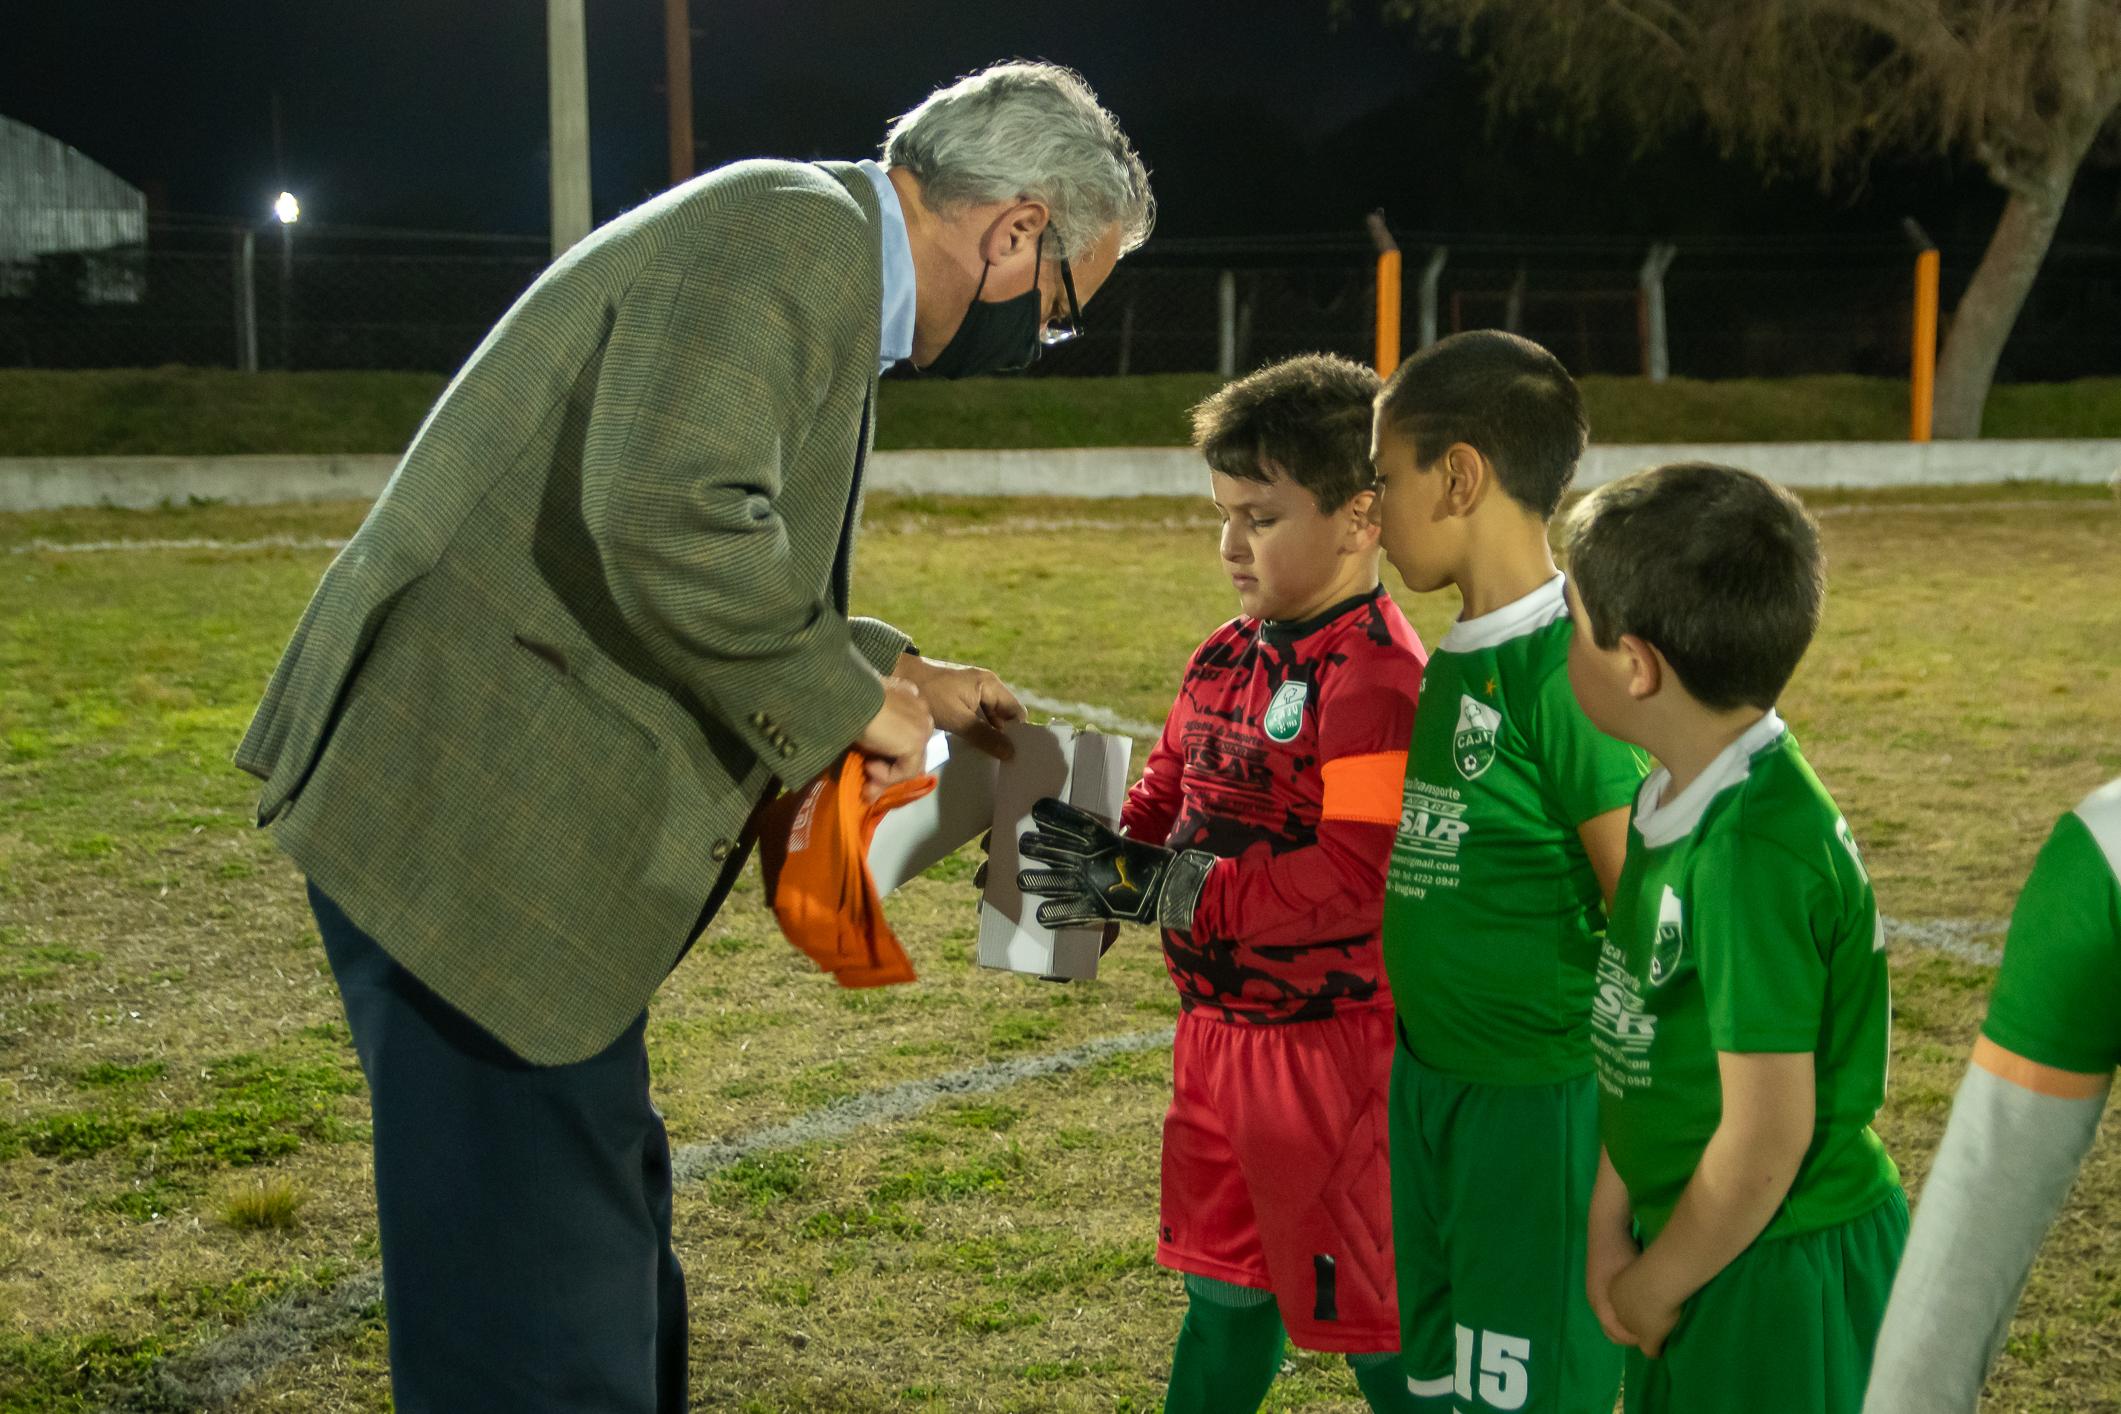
1500	1381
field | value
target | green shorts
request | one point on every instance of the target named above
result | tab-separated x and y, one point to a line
1491	1197
1786	1328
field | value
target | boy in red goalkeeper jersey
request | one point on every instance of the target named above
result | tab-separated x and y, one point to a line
1257	839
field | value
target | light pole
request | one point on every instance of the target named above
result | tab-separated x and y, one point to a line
289	211
567	98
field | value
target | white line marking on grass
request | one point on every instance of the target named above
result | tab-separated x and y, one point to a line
1954	937
306	1318
1964	507
1039	525
841	1118
1089	714
288	1329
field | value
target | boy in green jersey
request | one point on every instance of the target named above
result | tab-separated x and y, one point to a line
2025	1118
1511	835
1747	1222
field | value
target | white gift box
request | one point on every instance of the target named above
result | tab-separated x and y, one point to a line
975	793
1089	771
914	837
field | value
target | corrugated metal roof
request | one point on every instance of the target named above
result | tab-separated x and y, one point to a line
56	200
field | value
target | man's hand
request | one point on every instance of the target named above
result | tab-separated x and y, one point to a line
1641	1310
1100	874
896	739
971	702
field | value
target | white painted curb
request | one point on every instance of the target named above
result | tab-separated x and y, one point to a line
60	483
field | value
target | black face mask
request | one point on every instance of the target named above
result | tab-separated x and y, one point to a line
993	338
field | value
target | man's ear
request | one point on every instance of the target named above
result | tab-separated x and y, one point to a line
1013	231
1466	476
1646	667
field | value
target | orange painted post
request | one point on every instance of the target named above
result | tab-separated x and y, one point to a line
1922	382
1388	299
1387	313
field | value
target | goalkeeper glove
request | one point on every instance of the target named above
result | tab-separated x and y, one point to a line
1100	874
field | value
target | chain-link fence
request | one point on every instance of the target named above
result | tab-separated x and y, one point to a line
307	297
272	296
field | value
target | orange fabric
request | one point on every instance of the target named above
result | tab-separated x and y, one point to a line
2033	1076
1366	789
814	853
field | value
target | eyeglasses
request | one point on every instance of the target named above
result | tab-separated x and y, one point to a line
1063	326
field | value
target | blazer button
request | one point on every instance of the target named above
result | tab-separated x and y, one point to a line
720	851
787	748
758	719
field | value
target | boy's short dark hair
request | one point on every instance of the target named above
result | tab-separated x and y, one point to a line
1507	398
1306	418
1719	569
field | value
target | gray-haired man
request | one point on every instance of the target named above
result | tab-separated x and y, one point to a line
598	612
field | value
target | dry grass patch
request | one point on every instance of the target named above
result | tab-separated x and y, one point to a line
169	1032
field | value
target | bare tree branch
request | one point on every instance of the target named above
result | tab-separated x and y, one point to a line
2074	55
1917	27
2003	174
1656	32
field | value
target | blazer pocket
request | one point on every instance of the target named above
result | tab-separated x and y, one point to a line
555	658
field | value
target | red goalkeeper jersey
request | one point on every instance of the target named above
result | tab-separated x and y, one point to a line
1285	756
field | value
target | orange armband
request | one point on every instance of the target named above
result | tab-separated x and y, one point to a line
1365	789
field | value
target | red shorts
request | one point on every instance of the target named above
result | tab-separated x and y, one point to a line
1276	1173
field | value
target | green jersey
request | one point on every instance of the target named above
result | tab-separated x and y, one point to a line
1492	913
1744	922
2058	1000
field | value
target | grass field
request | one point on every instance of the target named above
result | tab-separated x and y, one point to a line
182	1126
210	412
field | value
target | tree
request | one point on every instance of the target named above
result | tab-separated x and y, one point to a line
2027	88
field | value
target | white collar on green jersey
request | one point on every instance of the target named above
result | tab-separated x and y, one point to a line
2101	814
1514	620
1660	825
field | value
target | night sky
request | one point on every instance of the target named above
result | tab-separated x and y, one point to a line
1257	117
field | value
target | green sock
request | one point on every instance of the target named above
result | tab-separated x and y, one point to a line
1383	1382
1229	1349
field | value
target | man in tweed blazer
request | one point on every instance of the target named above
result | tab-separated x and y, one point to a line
597	615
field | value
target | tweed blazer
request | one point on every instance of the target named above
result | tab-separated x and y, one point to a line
599	609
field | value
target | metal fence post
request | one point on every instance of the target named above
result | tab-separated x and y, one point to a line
1226	324
247	301
287	294
1431	275
1656	349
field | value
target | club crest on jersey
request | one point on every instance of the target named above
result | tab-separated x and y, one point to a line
1473	748
1285	714
1670	941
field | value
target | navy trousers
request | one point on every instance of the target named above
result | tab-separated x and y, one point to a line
524	1211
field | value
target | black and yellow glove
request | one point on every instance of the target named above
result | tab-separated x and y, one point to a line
1099	874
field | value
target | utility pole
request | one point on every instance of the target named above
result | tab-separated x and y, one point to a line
677	86
568	91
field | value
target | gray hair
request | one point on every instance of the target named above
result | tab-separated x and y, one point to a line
1027	130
